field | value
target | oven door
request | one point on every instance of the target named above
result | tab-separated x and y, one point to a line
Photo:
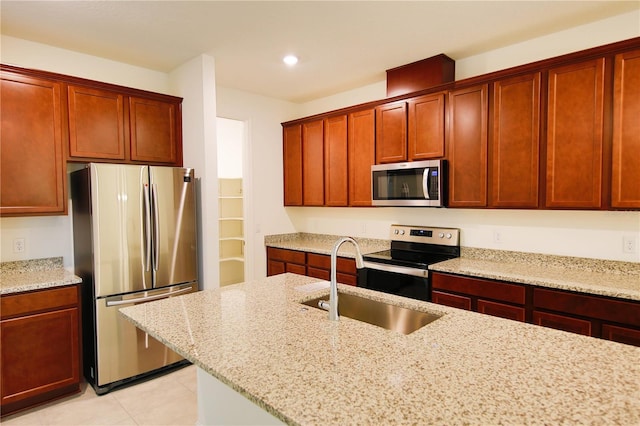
393	279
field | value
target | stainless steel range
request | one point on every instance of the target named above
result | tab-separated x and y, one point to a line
403	270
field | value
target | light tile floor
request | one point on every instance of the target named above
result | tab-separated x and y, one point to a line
166	400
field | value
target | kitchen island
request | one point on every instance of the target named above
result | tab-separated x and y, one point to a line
464	368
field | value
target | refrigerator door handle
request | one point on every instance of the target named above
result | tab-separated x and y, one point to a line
147	298
156	226
147	229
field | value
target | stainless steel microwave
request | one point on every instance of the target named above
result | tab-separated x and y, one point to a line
411	184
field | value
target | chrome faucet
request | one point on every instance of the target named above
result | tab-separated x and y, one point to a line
333	291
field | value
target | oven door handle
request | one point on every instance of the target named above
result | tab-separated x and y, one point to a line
416	272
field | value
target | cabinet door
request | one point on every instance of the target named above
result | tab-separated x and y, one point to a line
313	163
501	310
155	131
425	127
515	142
575	135
453	300
561	322
32	165
621	334
39	356
625	191
391	133
468	111
362	155
335	161
292	160
96	123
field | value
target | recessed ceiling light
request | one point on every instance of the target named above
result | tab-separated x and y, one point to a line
290	60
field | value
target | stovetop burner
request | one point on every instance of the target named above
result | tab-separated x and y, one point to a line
418	246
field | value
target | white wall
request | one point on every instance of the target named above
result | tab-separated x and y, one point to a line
575	233
263	172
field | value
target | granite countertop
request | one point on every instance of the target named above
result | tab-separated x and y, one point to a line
464	368
323	244
36	274
591	276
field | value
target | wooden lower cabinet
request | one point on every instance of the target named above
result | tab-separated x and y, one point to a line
40	347
591	315
315	265
280	261
562	322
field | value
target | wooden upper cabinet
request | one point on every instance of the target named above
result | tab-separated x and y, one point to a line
425	127
625	191
155	131
96	123
362	155
32	164
575	143
313	163
515	142
292	162
391	133
335	161
467	147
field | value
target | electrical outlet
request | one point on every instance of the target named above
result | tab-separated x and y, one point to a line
18	245
629	244
497	237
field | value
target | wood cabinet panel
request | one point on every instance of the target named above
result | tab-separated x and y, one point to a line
504	292
362	155
453	300
391	133
501	310
313	163
575	140
296	269
292	161
618	334
38	301
289	256
155	131
32	166
275	267
515	142
335	161
561	322
467	150
425	127
96	123
625	190
619	311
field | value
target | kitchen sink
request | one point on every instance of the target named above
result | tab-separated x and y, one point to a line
385	315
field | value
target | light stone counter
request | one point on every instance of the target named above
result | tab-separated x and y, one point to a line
323	244
36	274
592	276
464	368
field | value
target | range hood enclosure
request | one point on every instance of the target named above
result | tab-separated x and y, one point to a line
420	75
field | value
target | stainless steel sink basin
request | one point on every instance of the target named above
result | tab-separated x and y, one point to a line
385	315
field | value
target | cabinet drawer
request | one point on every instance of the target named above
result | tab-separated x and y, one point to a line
323	261
501	310
589	306
291	256
452	300
38	301
477	287
621	334
296	269
560	322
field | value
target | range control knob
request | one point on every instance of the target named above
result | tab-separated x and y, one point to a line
449	236
395	231
402	232
441	235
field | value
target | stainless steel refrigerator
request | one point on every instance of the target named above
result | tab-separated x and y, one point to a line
134	234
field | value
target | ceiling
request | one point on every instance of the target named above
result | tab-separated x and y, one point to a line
341	44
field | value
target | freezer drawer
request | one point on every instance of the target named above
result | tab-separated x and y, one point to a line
122	350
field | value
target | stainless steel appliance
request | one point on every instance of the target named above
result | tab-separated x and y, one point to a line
134	234
412	184
403	270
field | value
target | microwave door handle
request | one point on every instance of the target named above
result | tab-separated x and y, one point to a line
425	183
